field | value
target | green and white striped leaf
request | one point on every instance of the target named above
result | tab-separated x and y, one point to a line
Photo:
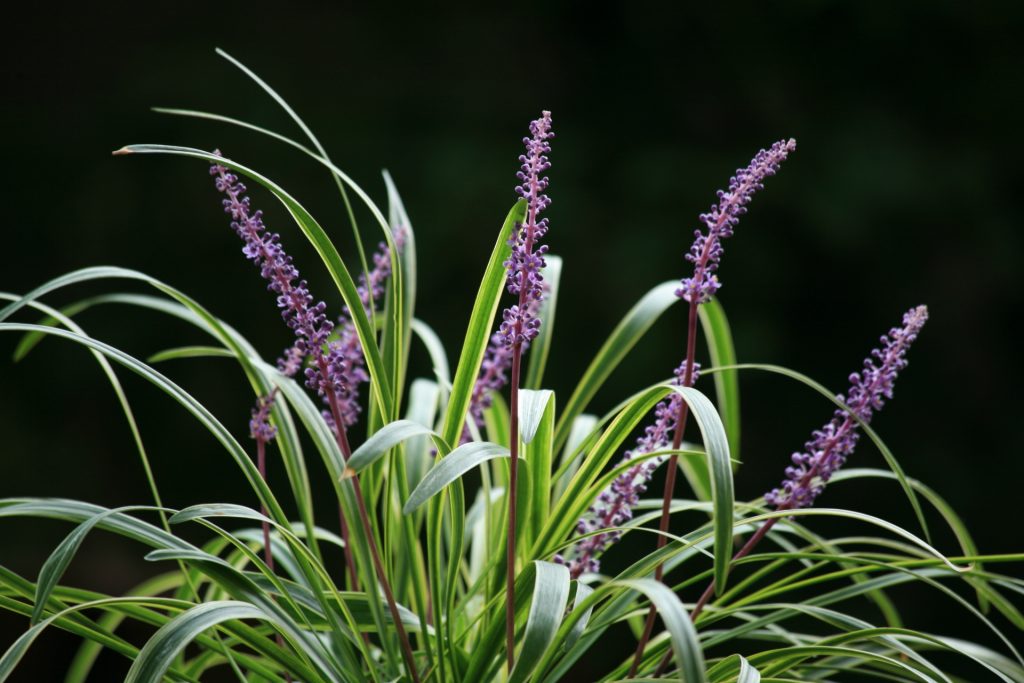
624	337
386	438
452	467
550	594
531	410
685	645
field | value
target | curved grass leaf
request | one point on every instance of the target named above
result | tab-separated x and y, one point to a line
550	594
479	331
183	398
379	379
451	468
723	353
383	440
438	357
582	592
532	405
424	397
716	445
624	337
685	644
747	674
57	562
189	352
159	652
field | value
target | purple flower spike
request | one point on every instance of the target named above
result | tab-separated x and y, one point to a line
307	319
614	507
831	445
520	323
722	219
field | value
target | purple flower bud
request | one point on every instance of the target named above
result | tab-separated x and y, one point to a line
260	428
722	219
831	445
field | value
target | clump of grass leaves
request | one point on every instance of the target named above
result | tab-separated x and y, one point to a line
788	613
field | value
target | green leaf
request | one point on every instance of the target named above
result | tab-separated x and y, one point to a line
160	651
582	592
540	347
747	674
479	331
435	349
58	561
532	405
423	406
190	352
727	384
379	380
685	644
623	338
386	438
452	467
550	594
183	398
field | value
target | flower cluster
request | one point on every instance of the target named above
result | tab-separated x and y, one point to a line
260	428
614	507
519	322
830	446
339	365
722	219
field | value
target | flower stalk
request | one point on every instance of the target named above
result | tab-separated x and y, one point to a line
705	255
520	324
830	446
334	374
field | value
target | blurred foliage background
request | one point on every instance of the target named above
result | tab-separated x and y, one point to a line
904	190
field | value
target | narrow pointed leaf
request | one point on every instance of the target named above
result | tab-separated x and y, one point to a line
540	348
550	594
532	405
624	337
479	331
450	468
386	438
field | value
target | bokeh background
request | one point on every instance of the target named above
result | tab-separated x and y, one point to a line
904	190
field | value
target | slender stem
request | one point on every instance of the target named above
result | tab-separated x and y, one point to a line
510	548
364	517
350	561
268	554
261	465
670	480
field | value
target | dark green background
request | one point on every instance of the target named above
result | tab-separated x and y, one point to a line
904	190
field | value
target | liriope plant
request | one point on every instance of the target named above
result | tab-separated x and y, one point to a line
419	578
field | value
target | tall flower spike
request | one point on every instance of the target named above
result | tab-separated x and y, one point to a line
831	445
306	319
614	506
722	219
519	322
